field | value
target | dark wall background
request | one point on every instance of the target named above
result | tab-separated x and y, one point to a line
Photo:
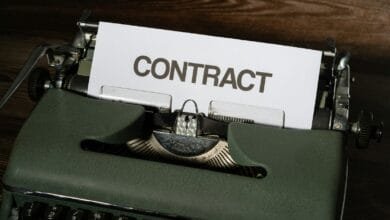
359	26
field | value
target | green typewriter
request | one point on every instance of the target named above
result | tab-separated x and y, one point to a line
80	157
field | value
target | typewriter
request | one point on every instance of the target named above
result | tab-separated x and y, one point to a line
79	157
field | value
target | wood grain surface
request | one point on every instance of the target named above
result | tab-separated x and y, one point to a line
359	26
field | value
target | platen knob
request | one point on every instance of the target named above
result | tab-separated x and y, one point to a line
365	130
38	82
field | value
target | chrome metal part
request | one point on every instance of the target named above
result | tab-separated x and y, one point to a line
218	157
230	119
187	123
47	85
343	64
84	24
342	95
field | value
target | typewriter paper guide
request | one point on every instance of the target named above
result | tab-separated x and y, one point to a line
205	69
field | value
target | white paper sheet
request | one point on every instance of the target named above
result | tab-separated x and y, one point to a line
176	63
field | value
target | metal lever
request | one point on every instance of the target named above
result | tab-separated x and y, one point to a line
34	57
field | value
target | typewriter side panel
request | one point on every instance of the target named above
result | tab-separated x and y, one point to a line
307	169
47	158
6	204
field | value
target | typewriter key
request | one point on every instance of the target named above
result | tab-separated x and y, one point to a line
14	214
124	218
77	214
100	216
32	211
56	212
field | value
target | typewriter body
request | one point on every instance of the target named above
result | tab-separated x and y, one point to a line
78	157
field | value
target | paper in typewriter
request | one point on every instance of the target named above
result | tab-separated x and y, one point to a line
206	68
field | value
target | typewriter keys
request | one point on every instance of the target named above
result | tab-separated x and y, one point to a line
44	211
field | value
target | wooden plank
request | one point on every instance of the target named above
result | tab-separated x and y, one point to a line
361	27
358	26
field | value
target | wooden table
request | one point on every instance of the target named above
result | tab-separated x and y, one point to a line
361	27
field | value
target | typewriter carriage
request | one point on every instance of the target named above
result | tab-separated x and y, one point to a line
72	63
